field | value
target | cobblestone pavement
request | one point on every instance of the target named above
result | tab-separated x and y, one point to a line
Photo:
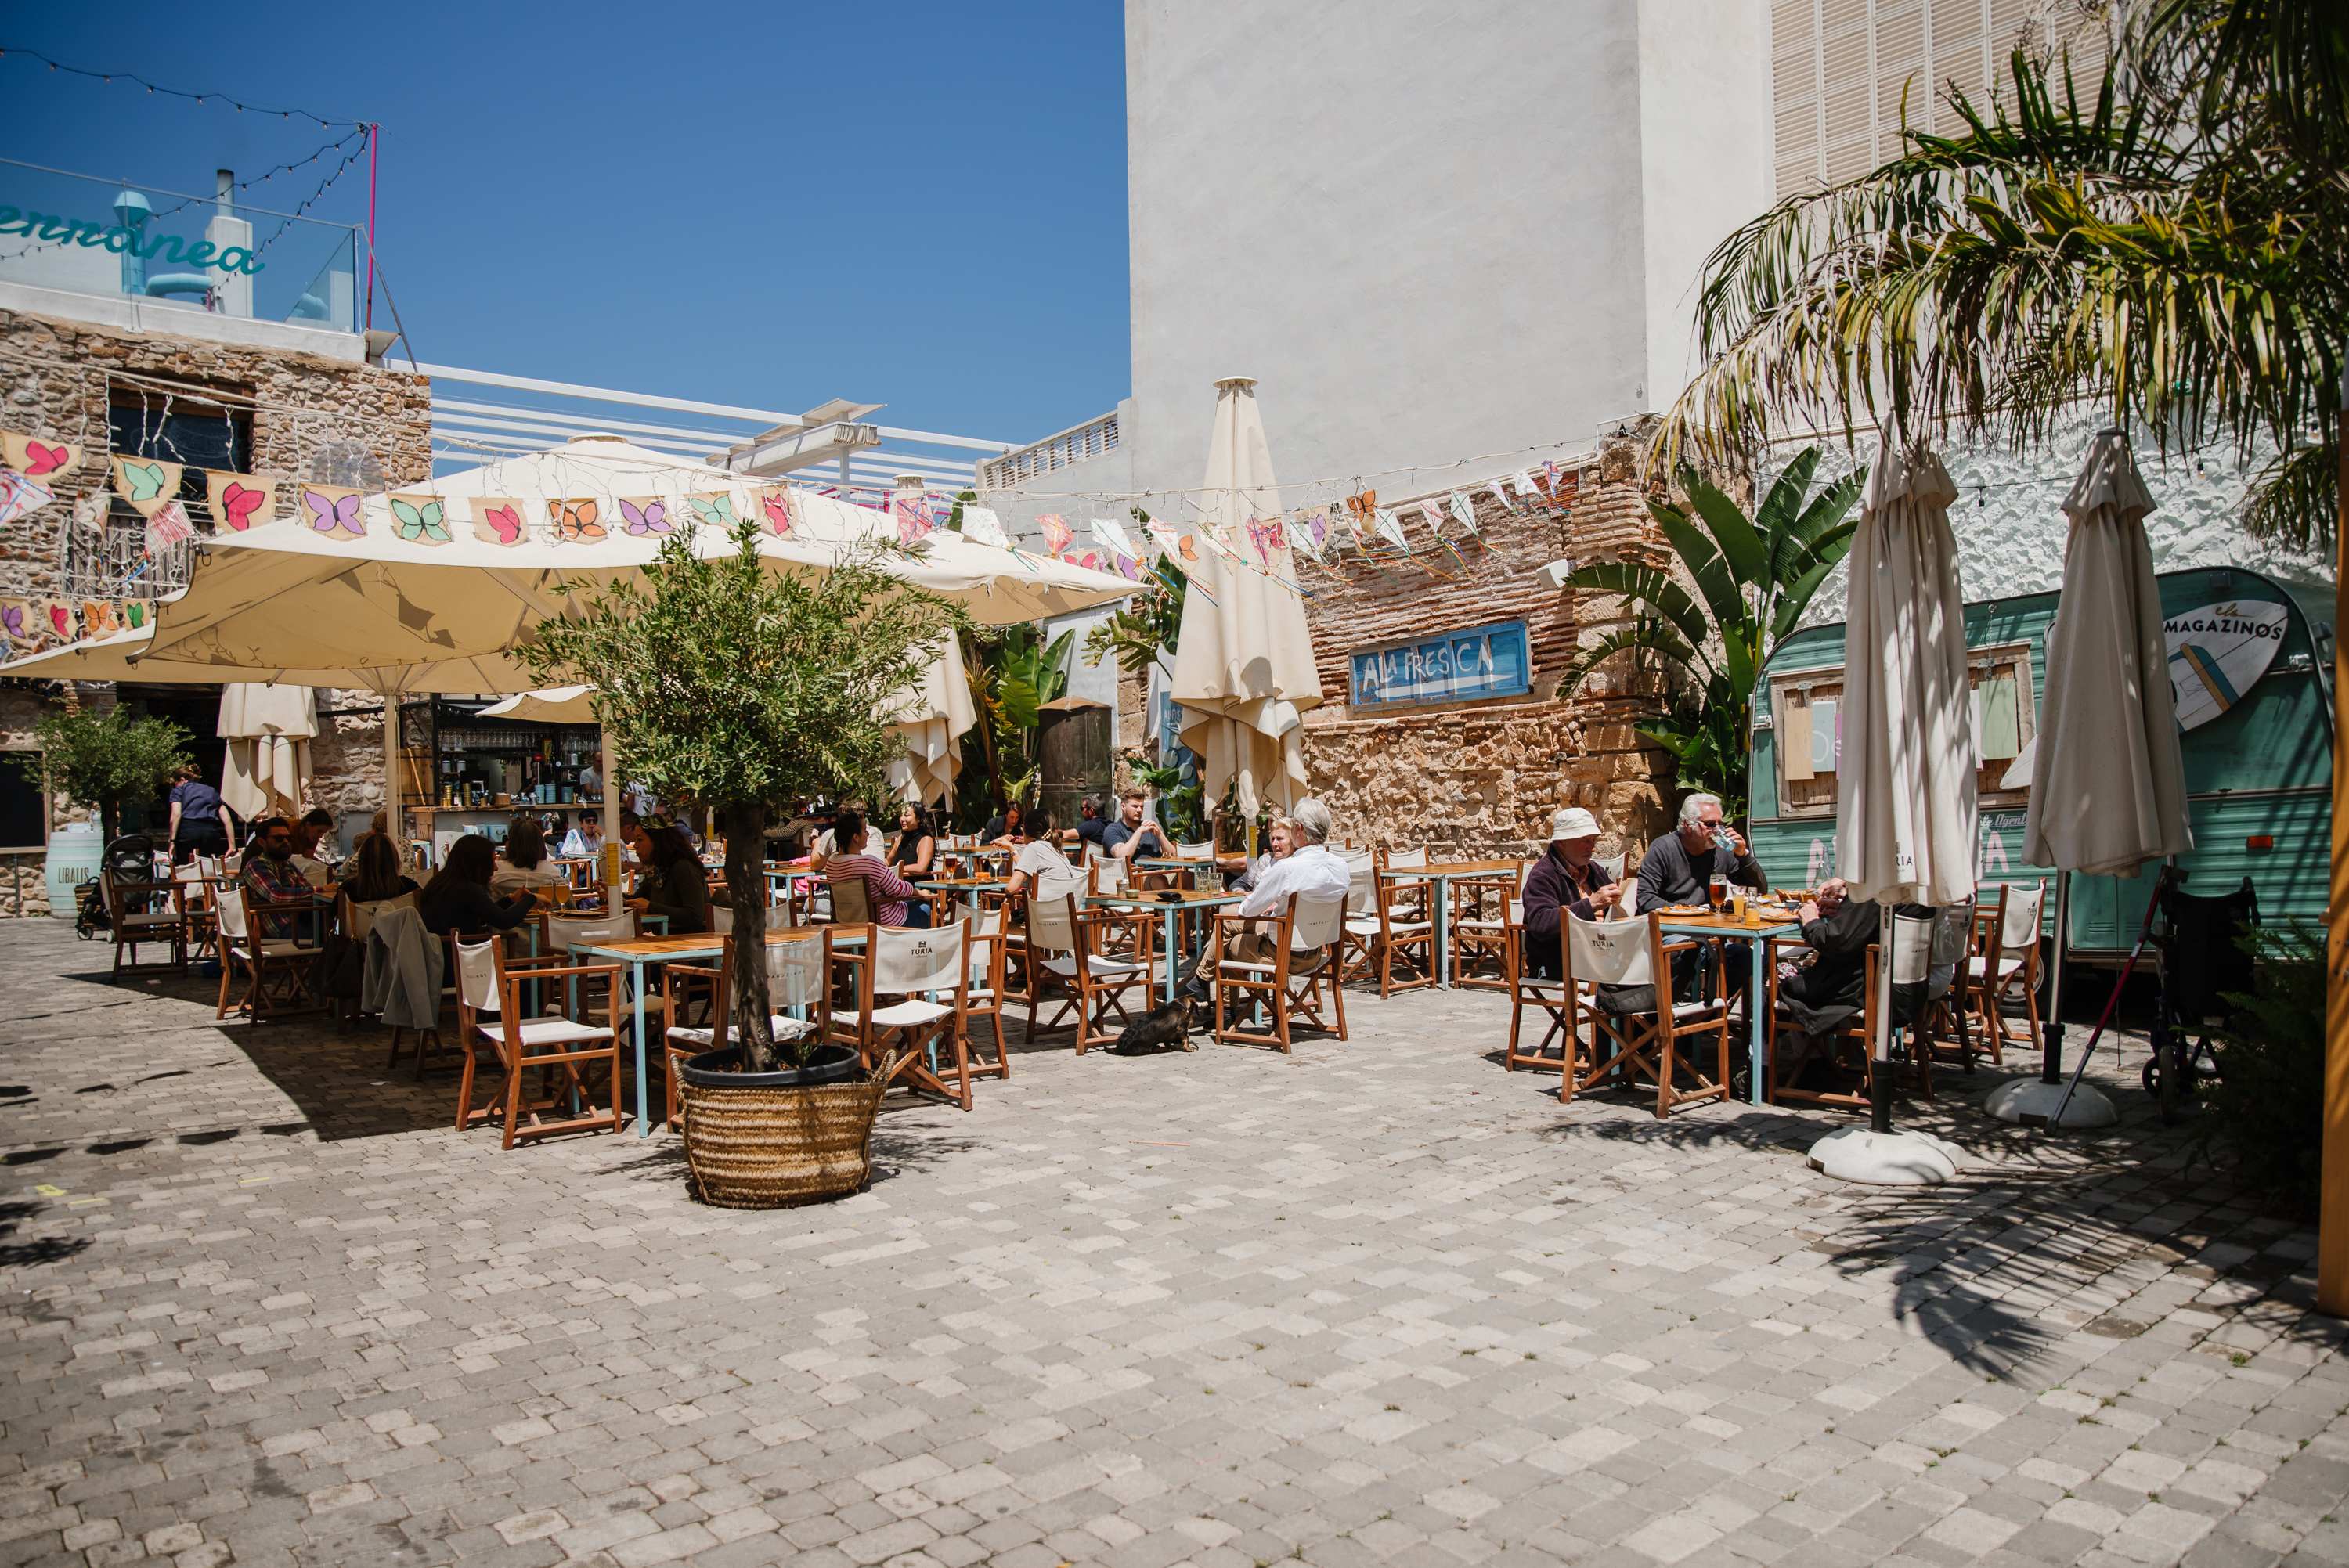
1374	1303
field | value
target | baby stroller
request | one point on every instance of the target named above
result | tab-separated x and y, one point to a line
129	861
2204	956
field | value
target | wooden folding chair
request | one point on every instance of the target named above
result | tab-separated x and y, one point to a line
143	913
1477	925
1307	938
1064	960
2007	964
1626	1040
1359	950
1124	933
192	895
1549	997
908	1039
1406	928
616	1007
276	967
799	976
1852	1047
991	948
489	1008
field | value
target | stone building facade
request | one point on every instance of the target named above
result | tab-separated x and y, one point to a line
1481	778
299	415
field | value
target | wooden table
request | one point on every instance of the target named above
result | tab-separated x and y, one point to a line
639	954
970	887
1757	938
1170	908
1440	873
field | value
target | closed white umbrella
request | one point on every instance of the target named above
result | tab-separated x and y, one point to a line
550	704
2108	776
268	727
930	724
1244	669
1905	798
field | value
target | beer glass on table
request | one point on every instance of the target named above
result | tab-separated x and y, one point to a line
1716	891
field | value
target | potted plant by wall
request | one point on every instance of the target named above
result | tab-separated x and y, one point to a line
739	687
104	758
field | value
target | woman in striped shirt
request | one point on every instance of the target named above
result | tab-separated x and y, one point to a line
894	900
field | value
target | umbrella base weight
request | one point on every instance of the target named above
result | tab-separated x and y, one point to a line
2034	1102
1885	1158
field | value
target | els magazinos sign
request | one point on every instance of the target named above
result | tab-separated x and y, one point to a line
1453	667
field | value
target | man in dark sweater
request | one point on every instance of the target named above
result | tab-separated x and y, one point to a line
1566	881
1679	865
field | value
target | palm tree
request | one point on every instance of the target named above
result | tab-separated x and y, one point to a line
1011	675
2169	243
1756	577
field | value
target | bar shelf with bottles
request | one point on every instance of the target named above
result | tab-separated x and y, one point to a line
464	774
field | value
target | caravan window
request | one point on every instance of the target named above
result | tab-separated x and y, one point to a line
1808	728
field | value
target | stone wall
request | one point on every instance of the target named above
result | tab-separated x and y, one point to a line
309	418
1481	778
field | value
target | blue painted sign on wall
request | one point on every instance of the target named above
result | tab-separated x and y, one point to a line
1455	667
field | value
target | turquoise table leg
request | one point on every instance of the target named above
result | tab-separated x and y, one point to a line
644	1094
1441	917
1166	924
1753	994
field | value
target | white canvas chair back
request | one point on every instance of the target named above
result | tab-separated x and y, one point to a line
915	963
1199	852
795	974
1361	881
988	923
1613	865
1315	923
1611	953
1109	876
1518	911
565	932
1052	921
1054	886
1911	936
1407	860
2019	931
365	915
852	902
477	975
229	904
721	918
962	840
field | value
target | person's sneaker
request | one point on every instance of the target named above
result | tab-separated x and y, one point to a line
1193	990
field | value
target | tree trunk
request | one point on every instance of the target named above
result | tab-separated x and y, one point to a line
110	819
746	894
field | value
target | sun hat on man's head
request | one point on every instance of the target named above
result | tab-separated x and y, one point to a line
1572	822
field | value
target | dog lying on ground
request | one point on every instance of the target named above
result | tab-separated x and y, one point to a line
1157	1029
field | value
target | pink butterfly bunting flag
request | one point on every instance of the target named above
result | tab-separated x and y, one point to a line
20	494
168	525
36	458
147	483
645	517
334	511
1267	538
239	500
776	509
1058	534
61	620
498	520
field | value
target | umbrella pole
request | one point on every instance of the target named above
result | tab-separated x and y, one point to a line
391	802
1879	1087
2051	1045
610	868
2332	1225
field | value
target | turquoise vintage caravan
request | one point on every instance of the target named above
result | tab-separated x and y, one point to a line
2249	667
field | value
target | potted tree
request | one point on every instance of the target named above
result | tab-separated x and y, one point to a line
724	682
104	758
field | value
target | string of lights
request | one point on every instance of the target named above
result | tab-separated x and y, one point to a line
8	51
304	204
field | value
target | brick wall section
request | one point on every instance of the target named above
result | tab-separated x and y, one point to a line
1482	778
312	417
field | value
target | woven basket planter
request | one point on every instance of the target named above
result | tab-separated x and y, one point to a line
769	1140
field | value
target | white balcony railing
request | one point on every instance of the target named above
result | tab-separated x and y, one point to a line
1074	445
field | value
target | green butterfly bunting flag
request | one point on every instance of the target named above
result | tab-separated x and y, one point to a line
714	509
147	483
420	519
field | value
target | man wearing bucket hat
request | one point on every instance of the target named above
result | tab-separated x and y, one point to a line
1567	879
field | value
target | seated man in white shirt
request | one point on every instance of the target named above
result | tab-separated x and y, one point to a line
1310	871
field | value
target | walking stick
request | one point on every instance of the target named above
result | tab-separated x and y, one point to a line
2144	932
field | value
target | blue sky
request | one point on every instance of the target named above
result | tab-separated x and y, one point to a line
918	203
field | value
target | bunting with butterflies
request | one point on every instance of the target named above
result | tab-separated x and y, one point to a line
714	509
333	511
37	458
420	519
577	520
645	517
240	500
61	620
498	520
776	507
147	483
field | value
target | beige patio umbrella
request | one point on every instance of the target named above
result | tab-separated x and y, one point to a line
1905	800
2107	773
930	725
1244	663
268	727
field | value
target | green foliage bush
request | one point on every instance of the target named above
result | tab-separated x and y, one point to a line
2265	1120
103	759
